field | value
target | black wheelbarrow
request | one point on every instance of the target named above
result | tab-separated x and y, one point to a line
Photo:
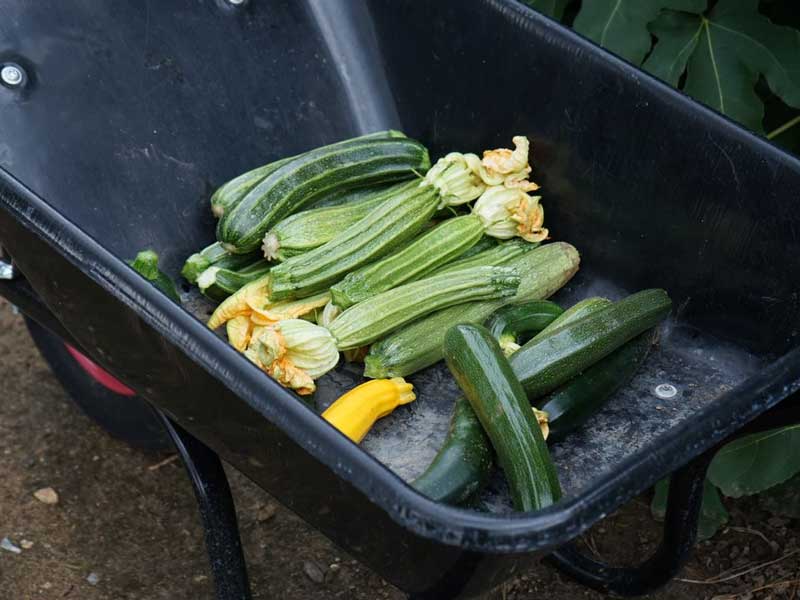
117	120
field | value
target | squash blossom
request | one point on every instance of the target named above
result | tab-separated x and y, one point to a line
294	352
508	212
457	179
508	168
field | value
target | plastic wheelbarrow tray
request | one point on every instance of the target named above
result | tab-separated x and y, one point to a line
131	113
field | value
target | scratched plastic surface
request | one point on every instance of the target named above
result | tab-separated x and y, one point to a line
698	365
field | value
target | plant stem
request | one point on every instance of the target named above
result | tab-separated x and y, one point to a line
786	126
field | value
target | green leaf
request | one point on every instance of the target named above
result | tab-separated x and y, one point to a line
552	8
757	462
677	35
712	513
621	25
783	499
723	56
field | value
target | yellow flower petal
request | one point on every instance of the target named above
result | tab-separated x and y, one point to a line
239	330
290	309
241	303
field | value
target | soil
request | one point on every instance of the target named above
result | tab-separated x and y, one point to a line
125	524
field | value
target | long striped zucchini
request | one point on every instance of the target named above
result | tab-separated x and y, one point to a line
424	254
304	179
384	229
231	193
374	318
544	271
498	254
312	228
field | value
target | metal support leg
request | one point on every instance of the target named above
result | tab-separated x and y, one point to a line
217	511
680	531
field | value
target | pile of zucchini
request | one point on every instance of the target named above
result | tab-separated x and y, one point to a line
347	246
364	248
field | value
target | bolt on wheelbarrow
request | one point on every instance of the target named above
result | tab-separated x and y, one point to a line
118	120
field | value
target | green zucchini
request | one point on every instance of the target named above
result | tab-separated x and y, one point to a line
552	359
383	230
485	243
306	178
575	312
311	228
146	264
496	396
463	464
508	324
214	256
424	254
571	405
217	283
367	321
544	271
232	192
495	255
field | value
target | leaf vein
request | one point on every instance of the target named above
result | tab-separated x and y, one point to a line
608	23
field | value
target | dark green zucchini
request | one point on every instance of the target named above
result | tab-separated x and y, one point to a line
552	359
215	255
573	313
308	177
146	264
568	398
508	324
232	192
496	396
463	464
571	405
217	284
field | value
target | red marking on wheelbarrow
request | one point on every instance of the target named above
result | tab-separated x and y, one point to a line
99	374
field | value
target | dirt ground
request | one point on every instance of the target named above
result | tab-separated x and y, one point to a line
125	524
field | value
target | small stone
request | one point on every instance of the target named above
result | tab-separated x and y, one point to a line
313	571
93	579
47	585
46	495
9	546
199	578
265	512
26	544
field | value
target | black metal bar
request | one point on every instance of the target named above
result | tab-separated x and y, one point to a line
217	510
680	531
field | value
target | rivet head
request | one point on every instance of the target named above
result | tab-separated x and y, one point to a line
666	390
12	75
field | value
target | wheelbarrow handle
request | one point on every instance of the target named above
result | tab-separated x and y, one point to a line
680	532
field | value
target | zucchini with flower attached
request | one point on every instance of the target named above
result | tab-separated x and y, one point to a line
312	228
355	412
543	271
366	321
511	322
496	396
231	193
306	178
214	255
217	283
500	212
